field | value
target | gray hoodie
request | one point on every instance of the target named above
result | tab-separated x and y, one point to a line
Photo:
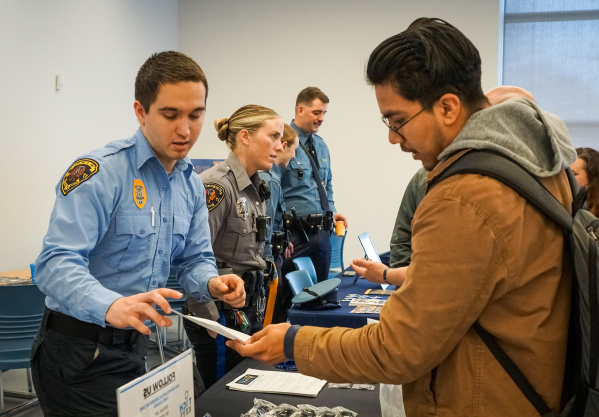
518	128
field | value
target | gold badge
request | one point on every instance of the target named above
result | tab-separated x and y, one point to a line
77	174
139	193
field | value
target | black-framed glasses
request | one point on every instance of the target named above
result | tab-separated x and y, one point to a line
396	129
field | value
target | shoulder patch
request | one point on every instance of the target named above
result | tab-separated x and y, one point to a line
81	171
214	195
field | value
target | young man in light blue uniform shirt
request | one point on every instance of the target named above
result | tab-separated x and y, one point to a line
300	187
123	215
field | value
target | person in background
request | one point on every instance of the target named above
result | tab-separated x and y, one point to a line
586	171
280	292
236	198
308	187
124	214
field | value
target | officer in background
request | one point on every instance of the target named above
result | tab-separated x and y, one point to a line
307	185
123	215
236	198
278	243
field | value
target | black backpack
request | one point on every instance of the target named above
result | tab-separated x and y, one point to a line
581	232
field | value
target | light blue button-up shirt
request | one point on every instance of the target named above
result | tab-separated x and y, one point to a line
275	206
101	246
303	193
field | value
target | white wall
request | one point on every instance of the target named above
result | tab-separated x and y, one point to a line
97	46
264	52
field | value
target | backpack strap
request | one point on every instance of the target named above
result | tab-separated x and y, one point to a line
505	170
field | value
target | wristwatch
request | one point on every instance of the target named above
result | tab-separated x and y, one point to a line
385	276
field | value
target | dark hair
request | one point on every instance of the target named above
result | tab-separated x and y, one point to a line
309	94
429	59
591	166
165	68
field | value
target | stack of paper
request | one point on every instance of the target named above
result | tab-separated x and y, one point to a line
367	302
289	383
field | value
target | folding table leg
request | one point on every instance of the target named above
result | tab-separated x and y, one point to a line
29	380
1	394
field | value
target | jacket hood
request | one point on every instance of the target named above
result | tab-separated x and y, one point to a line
519	129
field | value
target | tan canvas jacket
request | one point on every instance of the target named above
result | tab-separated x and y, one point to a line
481	252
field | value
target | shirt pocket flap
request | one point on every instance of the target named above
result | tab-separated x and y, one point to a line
181	225
140	226
238	225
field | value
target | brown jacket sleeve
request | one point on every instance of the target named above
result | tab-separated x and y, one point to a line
457	266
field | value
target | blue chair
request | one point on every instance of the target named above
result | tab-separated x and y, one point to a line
21	313
305	264
298	280
337	265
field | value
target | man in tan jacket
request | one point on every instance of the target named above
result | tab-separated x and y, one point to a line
480	251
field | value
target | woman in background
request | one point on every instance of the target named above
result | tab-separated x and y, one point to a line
236	199
586	171
276	311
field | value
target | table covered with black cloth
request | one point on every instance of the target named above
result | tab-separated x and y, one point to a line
220	401
323	317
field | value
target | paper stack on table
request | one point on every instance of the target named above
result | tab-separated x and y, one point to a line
289	383
367	302
218	328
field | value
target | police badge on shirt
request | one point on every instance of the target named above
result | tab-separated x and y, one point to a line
214	195
81	171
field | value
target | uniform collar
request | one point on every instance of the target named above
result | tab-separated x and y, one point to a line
242	178
144	152
275	171
303	136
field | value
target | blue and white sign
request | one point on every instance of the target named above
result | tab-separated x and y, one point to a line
167	391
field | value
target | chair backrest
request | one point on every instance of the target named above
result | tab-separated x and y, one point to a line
337	243
21	313
305	264
298	280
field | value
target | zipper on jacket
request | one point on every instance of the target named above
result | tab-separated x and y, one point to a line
591	233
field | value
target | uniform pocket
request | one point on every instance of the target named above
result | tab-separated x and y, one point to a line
238	239
132	242
298	169
180	230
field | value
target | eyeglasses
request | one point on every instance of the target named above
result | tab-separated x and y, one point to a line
396	129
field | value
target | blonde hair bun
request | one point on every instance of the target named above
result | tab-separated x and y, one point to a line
222	127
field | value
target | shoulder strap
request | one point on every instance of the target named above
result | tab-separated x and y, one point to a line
510	173
513	371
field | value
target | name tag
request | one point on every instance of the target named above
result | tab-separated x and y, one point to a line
324	160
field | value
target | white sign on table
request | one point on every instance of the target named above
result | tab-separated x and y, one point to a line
166	391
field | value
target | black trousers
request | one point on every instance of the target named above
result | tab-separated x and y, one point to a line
79	377
319	250
206	349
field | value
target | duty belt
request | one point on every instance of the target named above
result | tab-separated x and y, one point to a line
70	326
256	282
316	222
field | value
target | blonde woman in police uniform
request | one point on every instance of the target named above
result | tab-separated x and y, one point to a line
236	199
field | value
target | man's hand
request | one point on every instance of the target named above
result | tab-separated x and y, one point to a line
266	345
372	271
289	251
340	218
228	288
134	310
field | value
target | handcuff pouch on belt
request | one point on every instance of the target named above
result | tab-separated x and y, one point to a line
262	224
279	243
316	222
292	222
